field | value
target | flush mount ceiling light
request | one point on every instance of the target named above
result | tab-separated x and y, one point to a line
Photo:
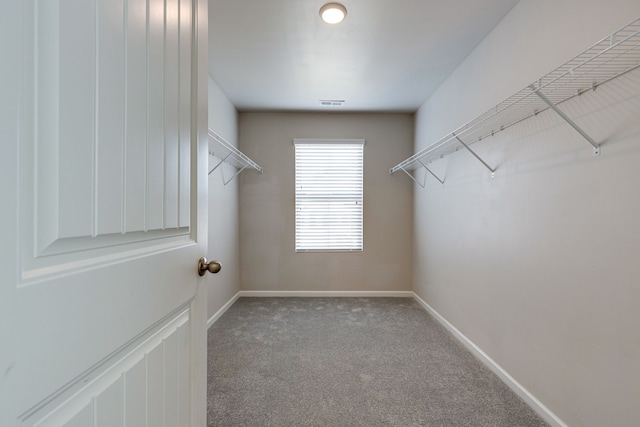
333	13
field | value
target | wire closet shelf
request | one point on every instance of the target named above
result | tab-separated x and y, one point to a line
611	57
229	154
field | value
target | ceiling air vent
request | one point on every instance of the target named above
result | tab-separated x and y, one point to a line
332	102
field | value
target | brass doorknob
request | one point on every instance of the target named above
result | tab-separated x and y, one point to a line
212	267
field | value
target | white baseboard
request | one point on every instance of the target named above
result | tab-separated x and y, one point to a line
222	310
328	294
540	409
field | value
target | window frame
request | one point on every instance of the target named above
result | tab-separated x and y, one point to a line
327	246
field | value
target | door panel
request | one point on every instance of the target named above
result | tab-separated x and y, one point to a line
137	111
143	385
111	189
100	100
73	119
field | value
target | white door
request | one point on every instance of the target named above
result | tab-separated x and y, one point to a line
103	212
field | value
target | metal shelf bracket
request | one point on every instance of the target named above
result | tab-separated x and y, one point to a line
413	178
596	146
441	181
225	182
219	163
229	154
486	165
424	181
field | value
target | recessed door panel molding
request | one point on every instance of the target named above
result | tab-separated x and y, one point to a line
110	114
171	113
184	112
111	151
135	143
154	369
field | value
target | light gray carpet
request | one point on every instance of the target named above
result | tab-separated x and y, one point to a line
348	362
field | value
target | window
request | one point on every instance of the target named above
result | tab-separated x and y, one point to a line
329	195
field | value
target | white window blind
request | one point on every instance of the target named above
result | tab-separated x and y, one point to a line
329	195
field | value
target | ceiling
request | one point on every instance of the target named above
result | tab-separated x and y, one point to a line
386	56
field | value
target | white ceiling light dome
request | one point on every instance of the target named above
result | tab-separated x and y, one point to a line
333	13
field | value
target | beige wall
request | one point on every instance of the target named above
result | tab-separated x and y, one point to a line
539	266
267	216
223	206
